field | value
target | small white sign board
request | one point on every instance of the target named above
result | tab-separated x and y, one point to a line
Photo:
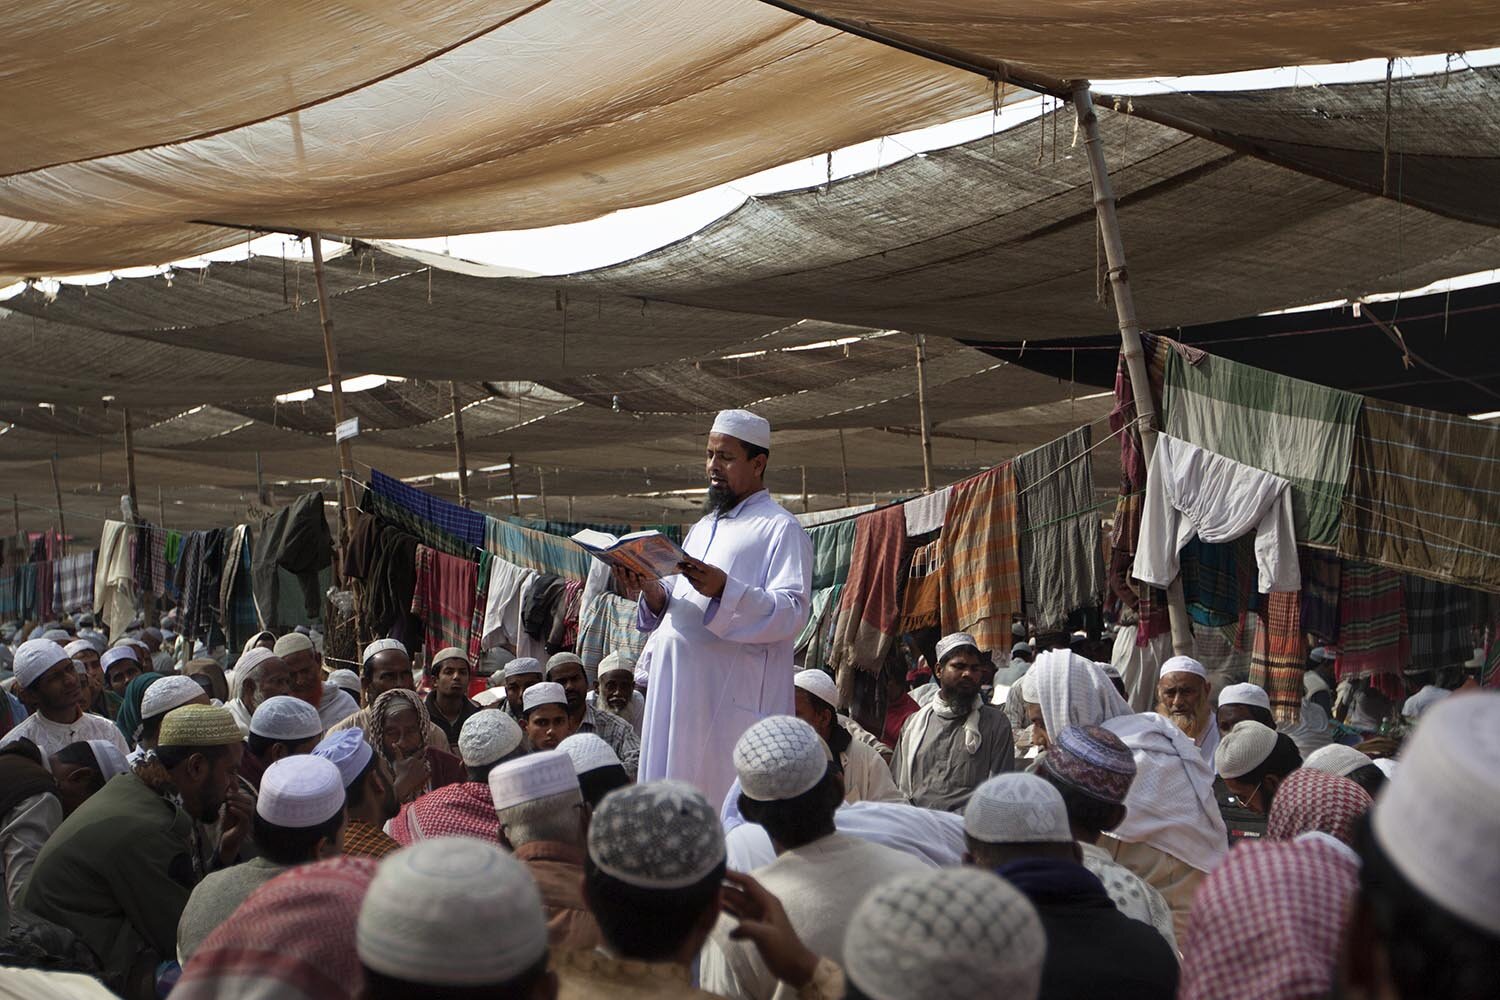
347	429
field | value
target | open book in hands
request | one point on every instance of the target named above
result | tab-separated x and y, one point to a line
649	553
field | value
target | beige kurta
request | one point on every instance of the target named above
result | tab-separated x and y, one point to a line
867	777
1176	880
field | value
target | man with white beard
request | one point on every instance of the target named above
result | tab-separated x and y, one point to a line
1182	695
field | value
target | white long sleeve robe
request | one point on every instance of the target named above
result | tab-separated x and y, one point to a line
719	666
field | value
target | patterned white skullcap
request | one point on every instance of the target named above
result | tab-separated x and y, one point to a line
1017	808
534	776
1183	665
115	654
1439	816
168	693
486	737
284	718
543	693
80	646
293	642
61	636
616	660
349	751
407	928
748	427
380	646
1245	694
522	665
560	659
948	932
1243	749
779	758
448	653
659	835
346	679
952	641
1337	759
588	752
299	792
35	657
818	684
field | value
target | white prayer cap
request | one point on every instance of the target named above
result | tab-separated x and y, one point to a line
952	641
658	835
1337	759
948	932
293	642
346	679
486	737
779	758
35	657
1243	749
250	662
492	661
543	693
1437	818
1323	654
1245	694
1183	665
380	646
588	752
114	655
111	760
94	639
560	659
1020	647
746	426
168	693
432	912
1017	808
60	636
522	665
347	750
80	646
1018	629
818	684
448	653
534	776
616	660
299	792
285	718
1424	699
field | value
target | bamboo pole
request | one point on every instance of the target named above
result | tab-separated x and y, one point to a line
805	507
515	495
260	484
844	467
62	529
161	507
1130	330
922	413
541	490
336	382
458	446
15	510
135	507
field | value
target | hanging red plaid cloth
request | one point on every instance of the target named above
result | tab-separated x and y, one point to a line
443	598
1373	640
980	579
1280	655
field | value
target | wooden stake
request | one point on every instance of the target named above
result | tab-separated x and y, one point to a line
15	509
922	413
570	508
458	446
135	507
804	490
541	490
1130	330
62	529
161	508
336	382
844	467
260	484
515	495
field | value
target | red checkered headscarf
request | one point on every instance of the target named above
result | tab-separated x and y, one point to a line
294	936
465	809
1309	800
1266	924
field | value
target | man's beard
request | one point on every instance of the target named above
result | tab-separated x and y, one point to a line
959	700
1192	724
719	500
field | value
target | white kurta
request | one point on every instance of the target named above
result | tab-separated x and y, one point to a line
720	666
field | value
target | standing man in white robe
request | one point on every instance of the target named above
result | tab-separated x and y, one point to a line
725	625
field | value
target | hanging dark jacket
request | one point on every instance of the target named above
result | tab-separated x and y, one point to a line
295	538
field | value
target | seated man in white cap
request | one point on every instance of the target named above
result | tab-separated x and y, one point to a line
448	703
258	674
1017	826
867	777
569	671
305	674
282	726
369	793
464	808
614	690
47	680
954	932
599	770
453	918
386	667
1183	695
1347	762
520	674
299	818
118	871
955	741
545	821
1243	703
544	713
1253	760
1426	918
724	627
790	787
161	697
